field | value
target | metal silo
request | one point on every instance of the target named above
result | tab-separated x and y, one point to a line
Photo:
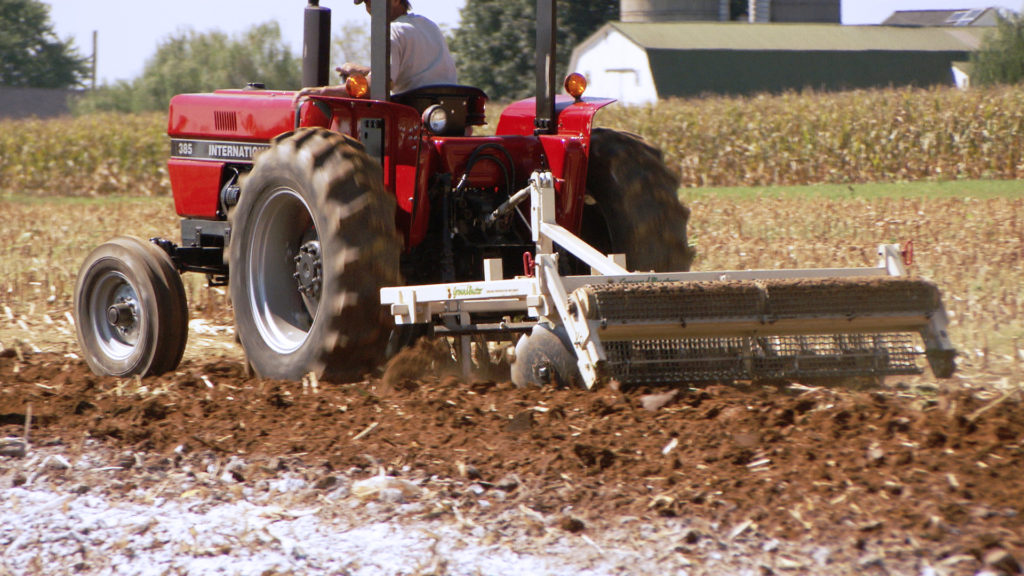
669	10
795	11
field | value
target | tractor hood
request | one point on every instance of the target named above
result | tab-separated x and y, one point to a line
571	118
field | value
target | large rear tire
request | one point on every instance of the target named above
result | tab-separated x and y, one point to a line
131	316
633	206
313	240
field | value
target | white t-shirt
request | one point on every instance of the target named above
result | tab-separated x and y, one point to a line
419	54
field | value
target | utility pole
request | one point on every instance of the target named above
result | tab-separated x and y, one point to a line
95	51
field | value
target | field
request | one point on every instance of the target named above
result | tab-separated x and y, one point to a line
968	236
918	476
862	136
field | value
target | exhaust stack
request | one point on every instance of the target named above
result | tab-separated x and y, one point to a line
544	123
316	46
380	51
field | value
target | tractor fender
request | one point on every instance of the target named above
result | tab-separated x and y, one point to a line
574	118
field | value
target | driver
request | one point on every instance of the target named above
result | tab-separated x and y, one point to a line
419	54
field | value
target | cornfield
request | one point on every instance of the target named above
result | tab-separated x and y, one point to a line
849	137
794	138
99	155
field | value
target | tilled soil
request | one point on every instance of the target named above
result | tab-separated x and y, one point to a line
894	476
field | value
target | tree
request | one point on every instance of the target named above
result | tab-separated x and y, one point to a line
1001	57
30	52
191	61
495	44
352	44
202	62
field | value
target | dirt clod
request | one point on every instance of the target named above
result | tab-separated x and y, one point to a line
572	524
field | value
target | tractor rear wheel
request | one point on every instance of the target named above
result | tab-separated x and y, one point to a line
313	240
633	206
131	316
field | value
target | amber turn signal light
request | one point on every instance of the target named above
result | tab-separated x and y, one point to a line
357	86
575	85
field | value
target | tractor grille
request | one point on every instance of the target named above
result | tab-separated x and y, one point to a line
705	360
225	121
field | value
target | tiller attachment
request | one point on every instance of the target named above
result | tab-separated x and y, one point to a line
689	327
704	331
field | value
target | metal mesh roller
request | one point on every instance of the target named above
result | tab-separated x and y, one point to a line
765	329
851	297
768	299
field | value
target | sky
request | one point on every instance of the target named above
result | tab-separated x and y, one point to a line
129	31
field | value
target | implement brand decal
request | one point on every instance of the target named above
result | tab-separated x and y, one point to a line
460	291
207	150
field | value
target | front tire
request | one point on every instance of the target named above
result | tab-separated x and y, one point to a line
313	240
131	316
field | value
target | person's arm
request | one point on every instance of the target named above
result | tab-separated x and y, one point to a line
349	68
338	91
345	71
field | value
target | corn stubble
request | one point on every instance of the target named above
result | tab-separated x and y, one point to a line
42	246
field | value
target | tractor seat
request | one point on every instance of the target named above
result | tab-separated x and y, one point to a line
465	104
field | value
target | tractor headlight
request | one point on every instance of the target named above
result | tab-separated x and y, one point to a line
575	85
436	119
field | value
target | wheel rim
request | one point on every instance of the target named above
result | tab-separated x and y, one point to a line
117	337
285	272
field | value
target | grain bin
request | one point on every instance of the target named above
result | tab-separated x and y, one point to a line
824	11
673	10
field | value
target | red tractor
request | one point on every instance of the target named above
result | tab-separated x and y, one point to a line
315	212
307	211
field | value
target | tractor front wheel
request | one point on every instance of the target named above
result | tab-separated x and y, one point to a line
313	240
131	315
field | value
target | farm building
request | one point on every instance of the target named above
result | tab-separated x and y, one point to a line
730	10
20	102
643	62
973	17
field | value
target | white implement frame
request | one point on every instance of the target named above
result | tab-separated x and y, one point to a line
548	296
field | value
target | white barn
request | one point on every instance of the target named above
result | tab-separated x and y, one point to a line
640	63
615	66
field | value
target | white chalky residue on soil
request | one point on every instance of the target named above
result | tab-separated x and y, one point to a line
43	530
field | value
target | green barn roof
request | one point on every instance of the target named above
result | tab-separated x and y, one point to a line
797	37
